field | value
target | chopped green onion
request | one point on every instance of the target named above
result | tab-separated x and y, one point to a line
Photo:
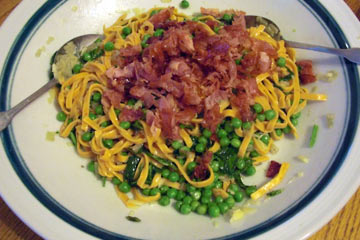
274	193
313	135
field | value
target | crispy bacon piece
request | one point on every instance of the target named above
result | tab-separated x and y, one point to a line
306	73
167	112
112	96
186	72
212	117
273	169
144	94
130	114
201	171
161	17
186	115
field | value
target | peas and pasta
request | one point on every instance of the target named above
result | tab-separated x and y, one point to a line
170	107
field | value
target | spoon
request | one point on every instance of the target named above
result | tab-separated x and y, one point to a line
80	42
352	54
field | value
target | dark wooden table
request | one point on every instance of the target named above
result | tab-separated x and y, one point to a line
345	225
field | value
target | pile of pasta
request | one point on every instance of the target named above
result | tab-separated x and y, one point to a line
286	98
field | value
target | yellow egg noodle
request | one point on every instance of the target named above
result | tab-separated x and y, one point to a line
286	98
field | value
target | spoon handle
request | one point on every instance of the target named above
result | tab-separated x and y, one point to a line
6	117
352	54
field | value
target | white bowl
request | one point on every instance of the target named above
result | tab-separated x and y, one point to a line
48	188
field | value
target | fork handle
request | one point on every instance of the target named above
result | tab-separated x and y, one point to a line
7	116
352	54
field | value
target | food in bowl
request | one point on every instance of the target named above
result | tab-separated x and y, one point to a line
169	106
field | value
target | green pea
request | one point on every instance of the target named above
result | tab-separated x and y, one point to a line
109	46
246	125
235	142
61	116
218	184
184	150
177	144
254	153
203	140
219	199
234	188
184	4
200	148
77	68
250	171
125	124
281	62
173	177
224	142
87	136
187	200
228	127
153	12
249	190
159	32
124	187
115	181
171	193
117	111
215	165
296	115
91	166
230	201
99	110
180	195
214	211
86	57
131	102
196	195
202	209
240	163
261	117
154	191
126	31
105	124
221	133
278	132
257	108
265	139
238	61
146	191
191	166
165	173
270	114
207	133
190	188
238	196
108	143
205	200
224	207
287	130
207	193
185	209
164	189
236	122
194	205
164	201
96	97
227	18
294	121
144	41
178	205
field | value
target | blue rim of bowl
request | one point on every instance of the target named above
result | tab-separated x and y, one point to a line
79	223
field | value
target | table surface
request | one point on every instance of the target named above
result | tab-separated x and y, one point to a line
345	225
